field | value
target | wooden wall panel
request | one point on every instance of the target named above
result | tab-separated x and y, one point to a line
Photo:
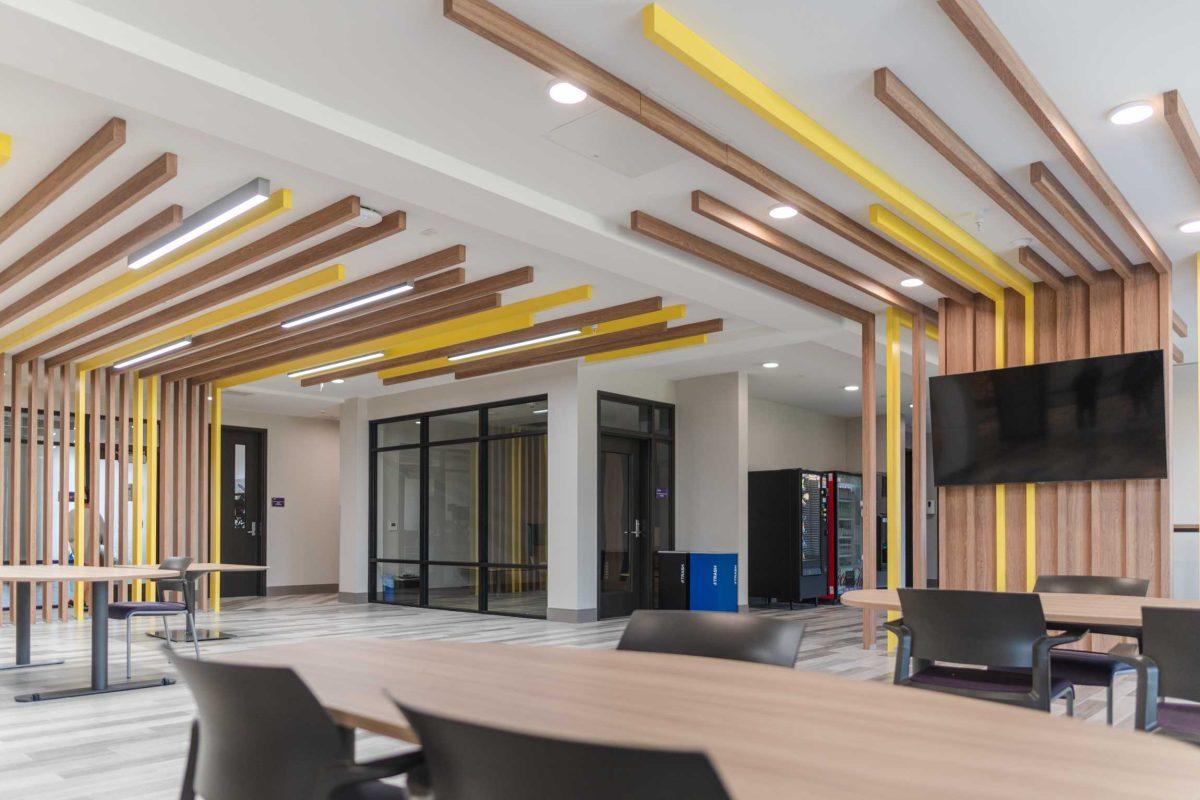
65	532
956	520
1014	494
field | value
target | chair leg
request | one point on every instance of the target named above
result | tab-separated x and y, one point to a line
129	647
166	632
191	627
1071	703
1110	701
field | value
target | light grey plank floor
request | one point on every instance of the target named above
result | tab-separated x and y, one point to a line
133	744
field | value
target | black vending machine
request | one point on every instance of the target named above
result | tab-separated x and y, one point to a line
788	542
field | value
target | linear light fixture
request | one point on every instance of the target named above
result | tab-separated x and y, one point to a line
155	353
504	347
231	205
349	304
349	362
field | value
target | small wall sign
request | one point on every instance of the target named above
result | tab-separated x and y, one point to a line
276	502
660	494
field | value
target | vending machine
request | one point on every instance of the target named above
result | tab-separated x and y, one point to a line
841	497
788	543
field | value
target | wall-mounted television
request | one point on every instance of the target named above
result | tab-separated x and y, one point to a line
1088	419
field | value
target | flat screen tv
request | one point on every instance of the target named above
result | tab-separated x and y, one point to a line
1089	419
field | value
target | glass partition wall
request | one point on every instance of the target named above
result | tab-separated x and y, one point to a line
458	509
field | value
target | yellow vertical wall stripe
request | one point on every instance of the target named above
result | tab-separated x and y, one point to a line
214	496
5	148
80	447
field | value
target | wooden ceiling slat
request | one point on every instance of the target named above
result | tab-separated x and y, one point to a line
1183	129
161	223
1176	354
99	146
1069	209
152	176
236	337
708	206
546	328
275	340
153	299
593	344
1178	325
1033	262
362	336
906	105
524	41
998	53
736	263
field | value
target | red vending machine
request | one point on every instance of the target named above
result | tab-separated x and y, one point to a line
841	501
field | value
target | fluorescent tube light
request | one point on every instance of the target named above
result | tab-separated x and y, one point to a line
503	347
349	362
155	353
540	410
361	301
206	219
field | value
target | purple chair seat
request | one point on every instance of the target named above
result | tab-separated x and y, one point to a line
1179	717
1085	668
982	680
123	610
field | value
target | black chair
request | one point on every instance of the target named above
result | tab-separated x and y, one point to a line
1003	634
162	609
1085	667
260	733
1166	670
714	634
475	762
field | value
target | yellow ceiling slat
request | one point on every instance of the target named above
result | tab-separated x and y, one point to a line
279	202
5	148
927	248
220	316
643	349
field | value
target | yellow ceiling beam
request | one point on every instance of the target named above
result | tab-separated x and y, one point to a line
908	236
223	315
643	349
5	148
391	345
279	202
706	60
931	330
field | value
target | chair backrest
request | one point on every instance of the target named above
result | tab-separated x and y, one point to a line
1092	584
182	583
262	732
1171	638
716	634
996	629
475	762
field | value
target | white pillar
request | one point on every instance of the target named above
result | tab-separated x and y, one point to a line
571	488
711	463
353	497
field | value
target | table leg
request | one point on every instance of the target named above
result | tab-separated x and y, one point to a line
868	629
100	684
21	603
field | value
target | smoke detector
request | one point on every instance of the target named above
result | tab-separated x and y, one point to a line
367	217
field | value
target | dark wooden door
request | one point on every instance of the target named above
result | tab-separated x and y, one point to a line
625	568
243	509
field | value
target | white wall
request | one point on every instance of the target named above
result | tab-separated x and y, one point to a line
784	437
303	468
1185	466
712	457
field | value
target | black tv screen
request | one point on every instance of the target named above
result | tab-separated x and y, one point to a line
1089	419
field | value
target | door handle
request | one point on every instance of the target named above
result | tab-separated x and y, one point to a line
637	529
254	529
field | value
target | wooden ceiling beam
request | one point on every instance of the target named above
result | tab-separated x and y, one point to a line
309	349
149	178
592	345
546	328
1033	262
710	207
1070	209
1176	354
99	146
161	223
913	111
268	322
738	264
153	299
998	53
1178	325
1183	129
274	340
524	41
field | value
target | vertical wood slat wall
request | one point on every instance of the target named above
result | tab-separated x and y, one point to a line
1096	527
39	508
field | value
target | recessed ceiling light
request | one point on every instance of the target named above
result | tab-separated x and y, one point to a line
1131	113
566	93
851	388
912	283
338	380
1191	226
782	212
770	364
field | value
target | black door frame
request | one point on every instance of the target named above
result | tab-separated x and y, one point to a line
260	578
648	438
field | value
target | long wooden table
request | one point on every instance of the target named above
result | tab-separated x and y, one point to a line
771	732
100	578
195	571
1100	613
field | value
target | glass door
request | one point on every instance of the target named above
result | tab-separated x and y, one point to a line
624	545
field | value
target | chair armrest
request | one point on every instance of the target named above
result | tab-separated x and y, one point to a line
351	773
904	638
1042	646
1146	713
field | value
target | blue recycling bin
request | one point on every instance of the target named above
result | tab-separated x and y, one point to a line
698	581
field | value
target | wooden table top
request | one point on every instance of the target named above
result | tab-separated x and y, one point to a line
771	732
36	573
1060	607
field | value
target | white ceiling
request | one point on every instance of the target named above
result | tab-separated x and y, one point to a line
413	111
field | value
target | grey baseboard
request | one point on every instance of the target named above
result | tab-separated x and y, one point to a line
352	597
571	614
305	588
